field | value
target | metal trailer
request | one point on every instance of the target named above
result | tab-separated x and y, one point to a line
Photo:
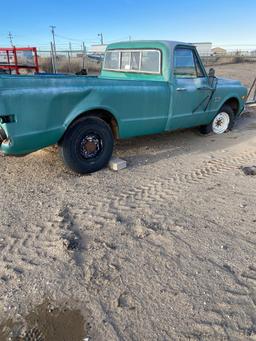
251	97
12	62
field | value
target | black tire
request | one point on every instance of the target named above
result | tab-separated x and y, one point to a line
207	129
89	132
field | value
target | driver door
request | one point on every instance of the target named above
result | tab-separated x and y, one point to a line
190	90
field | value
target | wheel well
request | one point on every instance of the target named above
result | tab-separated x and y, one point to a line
234	104
104	115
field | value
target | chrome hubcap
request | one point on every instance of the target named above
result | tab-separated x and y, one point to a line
220	123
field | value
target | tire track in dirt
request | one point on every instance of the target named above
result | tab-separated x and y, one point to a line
52	241
47	238
42	238
109	209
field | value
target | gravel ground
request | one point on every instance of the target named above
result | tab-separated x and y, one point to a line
163	250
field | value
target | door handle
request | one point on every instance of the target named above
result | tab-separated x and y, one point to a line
181	89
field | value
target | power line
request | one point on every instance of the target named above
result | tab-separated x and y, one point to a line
74	39
120	39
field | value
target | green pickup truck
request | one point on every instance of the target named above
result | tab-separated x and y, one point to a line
145	87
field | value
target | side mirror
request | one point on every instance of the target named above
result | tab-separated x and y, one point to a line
211	73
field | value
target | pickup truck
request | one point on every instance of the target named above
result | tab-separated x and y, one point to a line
145	87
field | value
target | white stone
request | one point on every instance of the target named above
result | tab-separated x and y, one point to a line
117	164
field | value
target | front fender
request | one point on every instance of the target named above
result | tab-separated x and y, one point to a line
228	97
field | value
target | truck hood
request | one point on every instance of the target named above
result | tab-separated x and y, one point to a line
229	82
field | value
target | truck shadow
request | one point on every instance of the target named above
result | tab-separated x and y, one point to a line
148	150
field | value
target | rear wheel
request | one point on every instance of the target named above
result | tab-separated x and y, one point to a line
87	145
222	122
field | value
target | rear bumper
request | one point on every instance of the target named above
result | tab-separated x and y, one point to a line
12	144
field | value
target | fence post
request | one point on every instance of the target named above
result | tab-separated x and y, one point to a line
69	62
84	54
53	59
16	60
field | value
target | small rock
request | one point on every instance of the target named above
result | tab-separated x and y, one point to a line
224	247
125	300
73	244
249	170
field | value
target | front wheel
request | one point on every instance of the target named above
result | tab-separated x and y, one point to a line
87	145
222	122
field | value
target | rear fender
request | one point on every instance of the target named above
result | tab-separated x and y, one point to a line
92	102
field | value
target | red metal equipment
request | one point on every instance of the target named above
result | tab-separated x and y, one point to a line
12	59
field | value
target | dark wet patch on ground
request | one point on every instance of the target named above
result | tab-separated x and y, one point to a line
47	323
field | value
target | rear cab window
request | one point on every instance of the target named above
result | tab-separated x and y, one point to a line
137	61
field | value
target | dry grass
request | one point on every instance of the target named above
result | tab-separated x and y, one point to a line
75	65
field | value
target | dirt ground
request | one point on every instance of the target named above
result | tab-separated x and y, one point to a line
163	250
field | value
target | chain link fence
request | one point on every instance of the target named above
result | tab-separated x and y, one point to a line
74	60
69	61
228	58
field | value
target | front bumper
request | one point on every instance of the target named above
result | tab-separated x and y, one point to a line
3	135
251	103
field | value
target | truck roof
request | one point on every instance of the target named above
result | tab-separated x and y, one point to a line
170	44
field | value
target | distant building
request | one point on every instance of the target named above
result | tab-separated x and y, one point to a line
253	53
98	49
204	49
218	51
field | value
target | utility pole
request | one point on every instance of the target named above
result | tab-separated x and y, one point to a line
101	38
11	38
84	47
54	48
53	36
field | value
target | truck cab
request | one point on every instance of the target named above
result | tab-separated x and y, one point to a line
180	74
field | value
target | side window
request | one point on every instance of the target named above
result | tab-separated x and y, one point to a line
186	64
125	61
150	61
135	60
112	60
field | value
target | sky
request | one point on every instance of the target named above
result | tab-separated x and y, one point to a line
222	22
